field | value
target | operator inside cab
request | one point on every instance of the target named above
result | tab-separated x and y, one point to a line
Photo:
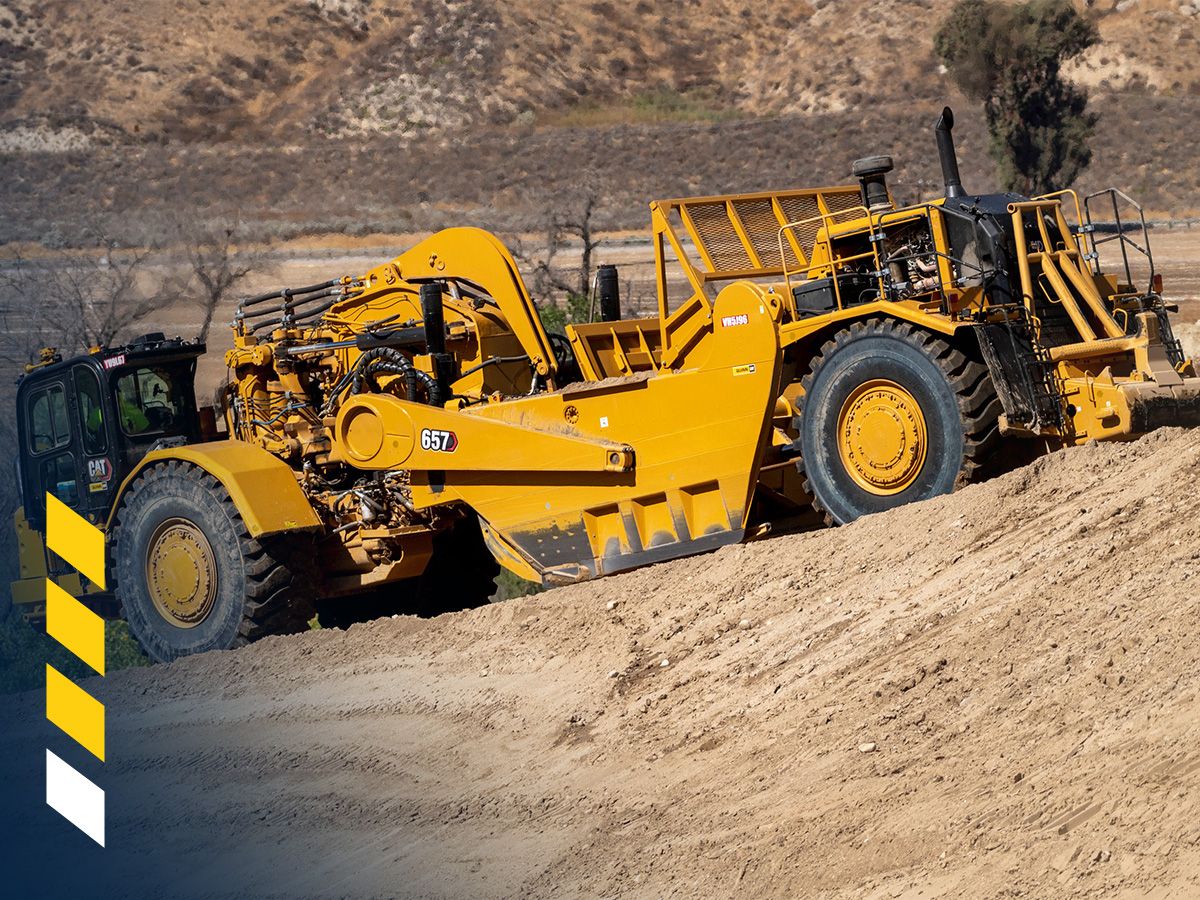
147	401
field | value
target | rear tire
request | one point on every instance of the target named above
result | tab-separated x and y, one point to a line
891	415
190	577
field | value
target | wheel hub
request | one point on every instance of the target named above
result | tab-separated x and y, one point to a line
881	437
181	573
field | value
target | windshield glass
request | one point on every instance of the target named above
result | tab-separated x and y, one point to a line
149	401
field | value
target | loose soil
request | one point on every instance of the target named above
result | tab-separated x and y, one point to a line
989	694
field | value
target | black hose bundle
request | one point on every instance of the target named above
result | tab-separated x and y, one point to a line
390	361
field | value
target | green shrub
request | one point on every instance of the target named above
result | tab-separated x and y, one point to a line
509	585
556	318
25	651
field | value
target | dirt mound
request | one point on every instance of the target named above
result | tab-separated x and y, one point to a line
987	694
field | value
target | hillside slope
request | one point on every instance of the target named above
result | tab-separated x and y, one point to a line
120	120
990	694
283	69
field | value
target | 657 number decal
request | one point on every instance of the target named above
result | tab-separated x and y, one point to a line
437	440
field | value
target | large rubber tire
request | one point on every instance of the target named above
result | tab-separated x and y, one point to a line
957	406
261	587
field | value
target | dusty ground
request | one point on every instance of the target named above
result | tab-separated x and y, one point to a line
991	694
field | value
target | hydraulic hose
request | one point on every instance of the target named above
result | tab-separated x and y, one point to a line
389	361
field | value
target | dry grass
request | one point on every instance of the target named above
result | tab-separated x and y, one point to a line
358	117
649	108
279	70
510	178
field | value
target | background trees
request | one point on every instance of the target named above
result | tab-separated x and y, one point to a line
1010	57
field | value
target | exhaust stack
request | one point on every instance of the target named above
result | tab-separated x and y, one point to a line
945	142
434	321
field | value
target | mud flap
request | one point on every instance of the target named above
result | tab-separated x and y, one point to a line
1019	377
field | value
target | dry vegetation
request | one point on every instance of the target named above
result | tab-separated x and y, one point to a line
336	115
102	296
509	178
226	70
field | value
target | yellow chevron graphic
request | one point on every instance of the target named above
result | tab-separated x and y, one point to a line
75	711
75	626
70	707
75	539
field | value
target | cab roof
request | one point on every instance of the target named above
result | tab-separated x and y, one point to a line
153	347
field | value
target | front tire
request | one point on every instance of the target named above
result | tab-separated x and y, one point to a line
890	415
190	577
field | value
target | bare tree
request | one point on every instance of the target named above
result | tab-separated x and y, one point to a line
71	302
217	264
547	278
580	226
77	301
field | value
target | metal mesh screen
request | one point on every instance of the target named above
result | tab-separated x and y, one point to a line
762	229
716	233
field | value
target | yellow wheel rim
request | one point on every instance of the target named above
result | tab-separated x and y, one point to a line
881	437
181	573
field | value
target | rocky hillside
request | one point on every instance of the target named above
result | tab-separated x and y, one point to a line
72	71
369	116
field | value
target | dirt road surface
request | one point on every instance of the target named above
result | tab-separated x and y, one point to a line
990	694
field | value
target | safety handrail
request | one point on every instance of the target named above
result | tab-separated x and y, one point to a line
826	219
1120	236
1055	195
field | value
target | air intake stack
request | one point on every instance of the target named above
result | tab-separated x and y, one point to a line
871	172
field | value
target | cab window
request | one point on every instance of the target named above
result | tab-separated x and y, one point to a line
91	414
59	477
148	403
49	425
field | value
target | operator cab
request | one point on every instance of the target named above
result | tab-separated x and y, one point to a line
84	423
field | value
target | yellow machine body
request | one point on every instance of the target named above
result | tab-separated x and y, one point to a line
34	566
375	414
262	486
594	478
569	480
1114	378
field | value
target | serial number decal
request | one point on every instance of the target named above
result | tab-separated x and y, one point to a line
439	441
113	361
734	321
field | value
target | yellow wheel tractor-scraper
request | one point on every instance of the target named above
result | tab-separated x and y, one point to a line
387	439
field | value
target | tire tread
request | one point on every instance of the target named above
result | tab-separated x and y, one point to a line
278	597
978	404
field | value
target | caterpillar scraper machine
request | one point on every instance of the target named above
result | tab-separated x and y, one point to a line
388	439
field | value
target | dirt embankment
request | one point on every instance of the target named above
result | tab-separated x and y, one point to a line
990	694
